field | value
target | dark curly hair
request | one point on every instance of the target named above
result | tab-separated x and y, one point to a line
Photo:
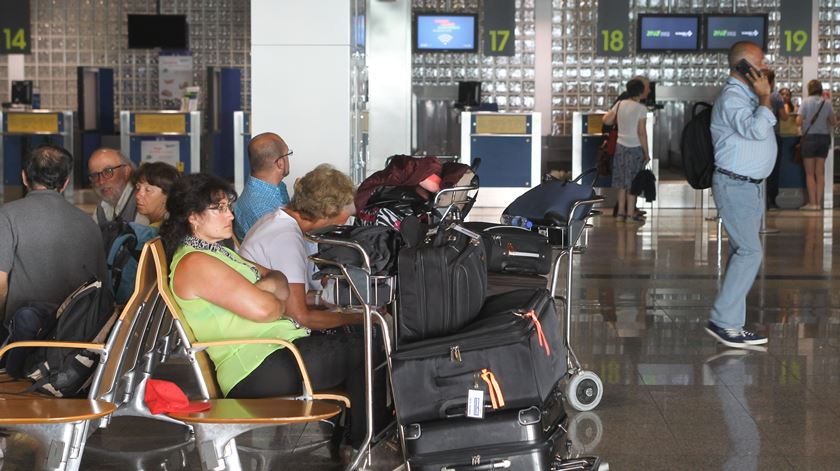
159	174
190	194
48	165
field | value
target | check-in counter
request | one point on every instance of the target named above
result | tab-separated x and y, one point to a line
508	145
173	137
21	131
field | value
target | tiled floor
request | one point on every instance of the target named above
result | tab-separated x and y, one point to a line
674	399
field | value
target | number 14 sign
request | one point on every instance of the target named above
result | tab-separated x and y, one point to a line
14	27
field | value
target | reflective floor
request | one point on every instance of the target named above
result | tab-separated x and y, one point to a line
674	399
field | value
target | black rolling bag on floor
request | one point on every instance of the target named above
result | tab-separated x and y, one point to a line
514	457
515	360
513	249
530	425
443	283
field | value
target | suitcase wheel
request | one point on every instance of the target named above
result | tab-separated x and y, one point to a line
584	390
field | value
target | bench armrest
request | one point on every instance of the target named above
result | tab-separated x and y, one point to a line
307	385
94	347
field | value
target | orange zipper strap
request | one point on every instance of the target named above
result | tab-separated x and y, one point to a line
496	397
540	334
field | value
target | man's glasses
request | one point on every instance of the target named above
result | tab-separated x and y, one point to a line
106	174
288	154
221	208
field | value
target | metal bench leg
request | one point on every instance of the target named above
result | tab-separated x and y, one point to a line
60	446
216	445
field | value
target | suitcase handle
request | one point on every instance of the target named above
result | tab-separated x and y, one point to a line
501	464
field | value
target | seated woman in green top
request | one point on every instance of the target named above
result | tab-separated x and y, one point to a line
224	296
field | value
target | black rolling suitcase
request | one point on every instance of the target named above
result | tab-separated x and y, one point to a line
443	283
514	457
530	425
514	249
505	353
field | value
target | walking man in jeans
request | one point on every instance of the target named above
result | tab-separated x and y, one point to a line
745	152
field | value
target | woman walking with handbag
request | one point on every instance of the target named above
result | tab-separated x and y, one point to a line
631	151
816	118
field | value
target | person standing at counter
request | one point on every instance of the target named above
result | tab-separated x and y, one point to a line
631	151
780	112
816	118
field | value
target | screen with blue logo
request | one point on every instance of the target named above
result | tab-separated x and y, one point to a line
669	32
722	31
445	33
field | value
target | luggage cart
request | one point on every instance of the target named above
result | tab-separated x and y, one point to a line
363	288
567	233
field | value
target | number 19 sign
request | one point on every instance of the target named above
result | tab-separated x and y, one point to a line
14	27
613	23
795	28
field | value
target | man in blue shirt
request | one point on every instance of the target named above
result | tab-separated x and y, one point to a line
264	189
745	152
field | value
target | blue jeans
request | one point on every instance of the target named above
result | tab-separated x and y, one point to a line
740	207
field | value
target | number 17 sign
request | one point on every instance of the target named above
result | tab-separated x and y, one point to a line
795	28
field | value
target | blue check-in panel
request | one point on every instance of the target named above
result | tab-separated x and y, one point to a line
505	160
172	137
508	145
22	131
504	144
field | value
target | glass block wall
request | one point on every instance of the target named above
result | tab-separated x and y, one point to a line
581	81
71	33
508	81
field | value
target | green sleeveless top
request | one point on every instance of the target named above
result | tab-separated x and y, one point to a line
210	322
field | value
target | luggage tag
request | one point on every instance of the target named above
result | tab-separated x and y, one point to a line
475	400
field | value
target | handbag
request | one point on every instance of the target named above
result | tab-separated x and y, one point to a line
797	149
612	136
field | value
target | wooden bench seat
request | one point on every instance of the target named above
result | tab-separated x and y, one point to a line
44	410
270	411
216	429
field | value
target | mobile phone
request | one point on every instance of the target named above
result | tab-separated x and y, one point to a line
743	67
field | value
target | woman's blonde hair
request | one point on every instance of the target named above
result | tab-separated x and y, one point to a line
322	193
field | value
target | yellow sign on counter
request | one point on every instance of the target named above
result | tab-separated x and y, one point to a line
594	123
32	123
160	123
501	124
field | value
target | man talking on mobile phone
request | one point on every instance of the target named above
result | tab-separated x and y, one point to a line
745	152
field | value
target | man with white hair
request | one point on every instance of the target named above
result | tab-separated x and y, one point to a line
110	173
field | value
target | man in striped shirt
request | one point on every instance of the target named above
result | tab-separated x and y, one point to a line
745	152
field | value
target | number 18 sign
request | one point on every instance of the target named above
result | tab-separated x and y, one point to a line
613	24
14	27
795	28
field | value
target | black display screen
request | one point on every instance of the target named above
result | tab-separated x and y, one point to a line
669	33
722	31
163	31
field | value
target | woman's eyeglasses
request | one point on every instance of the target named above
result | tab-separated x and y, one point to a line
106	174
221	208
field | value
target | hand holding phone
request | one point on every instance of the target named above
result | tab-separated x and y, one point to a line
754	77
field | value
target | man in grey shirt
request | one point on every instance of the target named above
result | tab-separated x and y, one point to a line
48	247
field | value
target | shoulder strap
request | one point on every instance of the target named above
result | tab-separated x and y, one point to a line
814	119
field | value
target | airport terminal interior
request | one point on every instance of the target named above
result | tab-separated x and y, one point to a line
517	90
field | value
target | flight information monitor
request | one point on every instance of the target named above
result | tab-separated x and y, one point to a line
722	31
445	33
668	33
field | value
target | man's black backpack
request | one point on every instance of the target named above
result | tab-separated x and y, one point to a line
86	315
698	152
